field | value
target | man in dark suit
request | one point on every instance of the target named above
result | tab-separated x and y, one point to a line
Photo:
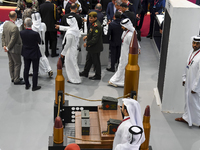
85	6
130	5
114	36
12	44
155	8
67	7
31	53
48	14
110	10
104	4
73	9
143	12
128	14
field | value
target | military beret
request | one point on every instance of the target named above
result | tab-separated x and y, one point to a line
93	14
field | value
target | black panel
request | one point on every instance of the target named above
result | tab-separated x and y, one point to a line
163	55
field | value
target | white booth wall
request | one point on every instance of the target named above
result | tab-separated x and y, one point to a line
185	21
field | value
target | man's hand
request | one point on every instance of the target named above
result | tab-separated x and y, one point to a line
156	13
84	20
85	45
193	92
57	26
5	49
84	38
183	83
61	56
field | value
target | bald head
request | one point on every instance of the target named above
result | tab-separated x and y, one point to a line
13	15
98	6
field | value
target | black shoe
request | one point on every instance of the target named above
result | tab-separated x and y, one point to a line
19	82
30	74
139	35
82	74
54	55
36	88
46	54
95	78
27	87
50	73
110	69
149	36
19	79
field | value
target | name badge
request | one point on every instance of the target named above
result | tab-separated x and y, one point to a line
154	6
187	67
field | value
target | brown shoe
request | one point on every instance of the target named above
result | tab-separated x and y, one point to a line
180	120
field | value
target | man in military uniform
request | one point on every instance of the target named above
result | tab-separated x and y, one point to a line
94	46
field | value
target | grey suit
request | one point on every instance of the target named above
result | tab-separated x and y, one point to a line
12	40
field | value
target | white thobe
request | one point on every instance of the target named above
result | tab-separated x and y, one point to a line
192	83
70	52
44	66
121	135
118	77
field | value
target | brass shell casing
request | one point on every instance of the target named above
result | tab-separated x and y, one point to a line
58	135
147	127
59	85
132	70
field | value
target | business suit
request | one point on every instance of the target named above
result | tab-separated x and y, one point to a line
31	53
67	7
48	14
114	36
153	9
104	4
131	16
137	6
110	11
11	39
143	12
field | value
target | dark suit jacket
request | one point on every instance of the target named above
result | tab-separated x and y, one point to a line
85	6
48	14
137	6
115	32
158	7
104	4
144	6
30	40
110	11
78	19
131	16
67	7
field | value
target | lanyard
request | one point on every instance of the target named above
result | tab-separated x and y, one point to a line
125	35
28	29
190	59
155	2
124	120
128	3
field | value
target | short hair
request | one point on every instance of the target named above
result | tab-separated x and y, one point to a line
12	14
73	6
92	14
98	6
28	22
124	5
117	14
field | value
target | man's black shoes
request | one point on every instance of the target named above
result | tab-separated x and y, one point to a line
110	69
149	36
95	78
27	87
19	82
82	74
54	55
36	88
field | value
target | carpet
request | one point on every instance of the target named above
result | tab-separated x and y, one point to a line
145	27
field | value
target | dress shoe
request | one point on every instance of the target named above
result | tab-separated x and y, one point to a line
95	78
19	79
27	87
110	69
30	74
82	74
139	35
36	88
50	73
54	55
46	54
149	36
19	82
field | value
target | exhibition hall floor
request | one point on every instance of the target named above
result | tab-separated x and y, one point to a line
26	117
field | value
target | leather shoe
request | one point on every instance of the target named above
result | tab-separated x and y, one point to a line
110	69
36	88
19	82
55	55
19	79
27	87
82	74
95	78
149	36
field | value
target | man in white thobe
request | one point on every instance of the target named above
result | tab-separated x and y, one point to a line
134	139
132	117
40	27
70	50
191	81
118	78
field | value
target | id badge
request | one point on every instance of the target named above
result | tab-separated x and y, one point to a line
154	6
88	2
187	67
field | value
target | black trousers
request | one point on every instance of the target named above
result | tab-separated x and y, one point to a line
93	59
51	36
35	65
141	19
115	54
152	18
